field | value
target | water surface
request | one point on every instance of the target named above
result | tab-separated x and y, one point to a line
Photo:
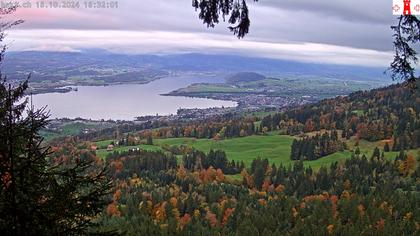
126	101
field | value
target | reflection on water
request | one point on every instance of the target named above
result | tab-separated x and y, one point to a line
125	101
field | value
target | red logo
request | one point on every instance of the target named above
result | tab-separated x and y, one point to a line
407	7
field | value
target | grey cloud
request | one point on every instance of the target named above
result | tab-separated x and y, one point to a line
349	23
175	42
310	27
297	20
372	11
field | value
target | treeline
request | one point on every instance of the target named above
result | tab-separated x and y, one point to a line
313	148
124	164
355	174
184	127
385	113
142	163
207	130
197	160
117	131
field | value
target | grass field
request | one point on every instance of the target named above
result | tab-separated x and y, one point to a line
368	147
276	148
102	152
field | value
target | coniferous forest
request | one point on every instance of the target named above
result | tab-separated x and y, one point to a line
312	148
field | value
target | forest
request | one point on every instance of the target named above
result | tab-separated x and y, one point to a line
390	113
312	148
155	194
362	196
180	190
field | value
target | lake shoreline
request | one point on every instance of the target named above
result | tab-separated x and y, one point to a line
73	87
124	101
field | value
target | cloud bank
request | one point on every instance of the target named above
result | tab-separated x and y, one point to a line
339	32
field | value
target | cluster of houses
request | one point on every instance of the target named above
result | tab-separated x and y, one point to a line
111	147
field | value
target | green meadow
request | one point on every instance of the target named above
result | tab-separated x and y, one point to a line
276	148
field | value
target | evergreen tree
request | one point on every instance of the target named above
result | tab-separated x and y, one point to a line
376	152
386	147
357	151
259	176
149	140
40	195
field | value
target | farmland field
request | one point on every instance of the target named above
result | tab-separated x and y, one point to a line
276	148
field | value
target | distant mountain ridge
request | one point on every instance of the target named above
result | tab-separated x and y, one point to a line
29	61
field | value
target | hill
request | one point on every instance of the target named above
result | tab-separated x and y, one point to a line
248	88
390	113
244	77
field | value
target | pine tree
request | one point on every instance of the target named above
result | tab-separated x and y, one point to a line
376	153
259	176
386	147
357	151
40	196
294	154
149	140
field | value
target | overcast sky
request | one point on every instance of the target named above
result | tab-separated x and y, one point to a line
355	32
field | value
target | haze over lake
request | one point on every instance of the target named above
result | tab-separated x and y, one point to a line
126	101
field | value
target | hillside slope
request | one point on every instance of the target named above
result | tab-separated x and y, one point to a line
244	77
390	113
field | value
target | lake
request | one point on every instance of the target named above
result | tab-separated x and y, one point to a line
126	101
